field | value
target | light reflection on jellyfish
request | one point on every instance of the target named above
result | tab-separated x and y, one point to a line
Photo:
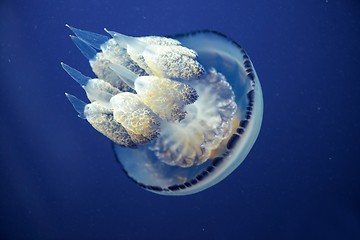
182	112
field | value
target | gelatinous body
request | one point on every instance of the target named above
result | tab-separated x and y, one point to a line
183	112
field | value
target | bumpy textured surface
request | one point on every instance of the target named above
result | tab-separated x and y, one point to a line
138	119
173	62
160	56
162	41
103	121
165	97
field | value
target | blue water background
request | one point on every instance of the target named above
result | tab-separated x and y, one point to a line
59	178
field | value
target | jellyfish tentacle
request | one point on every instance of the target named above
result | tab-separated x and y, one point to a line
75	74
78	105
93	39
87	50
96	89
126	41
124	74
100	96
100	85
113	53
134	47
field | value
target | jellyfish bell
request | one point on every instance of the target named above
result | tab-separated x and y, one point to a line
182	112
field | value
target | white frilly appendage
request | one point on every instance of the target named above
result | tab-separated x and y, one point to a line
208	122
151	90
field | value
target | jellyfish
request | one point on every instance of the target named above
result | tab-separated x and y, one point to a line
182	112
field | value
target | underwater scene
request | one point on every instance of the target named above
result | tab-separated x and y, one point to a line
179	120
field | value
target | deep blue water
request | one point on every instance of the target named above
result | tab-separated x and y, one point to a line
59	178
